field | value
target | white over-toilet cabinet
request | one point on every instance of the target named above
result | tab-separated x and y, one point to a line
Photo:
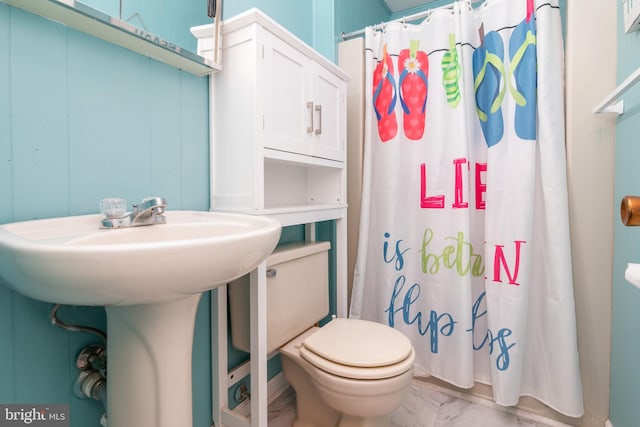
278	148
279	127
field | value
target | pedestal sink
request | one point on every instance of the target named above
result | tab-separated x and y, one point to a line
150	279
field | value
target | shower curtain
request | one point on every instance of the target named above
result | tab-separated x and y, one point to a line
464	233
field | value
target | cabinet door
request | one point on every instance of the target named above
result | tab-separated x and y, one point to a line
329	115
286	95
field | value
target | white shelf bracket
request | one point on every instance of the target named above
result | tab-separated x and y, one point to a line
608	105
617	108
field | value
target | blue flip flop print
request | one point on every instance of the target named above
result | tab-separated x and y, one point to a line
489	86
523	69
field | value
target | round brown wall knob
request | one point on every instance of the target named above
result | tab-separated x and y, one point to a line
630	210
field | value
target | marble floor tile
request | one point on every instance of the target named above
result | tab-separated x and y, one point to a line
426	405
282	411
420	407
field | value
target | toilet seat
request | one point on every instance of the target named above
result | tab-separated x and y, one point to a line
358	349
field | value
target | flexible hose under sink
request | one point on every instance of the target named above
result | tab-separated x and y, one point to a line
55	320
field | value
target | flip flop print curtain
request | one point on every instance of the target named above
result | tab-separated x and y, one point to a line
464	241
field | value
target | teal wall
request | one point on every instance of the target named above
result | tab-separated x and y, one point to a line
81	120
294	15
354	15
625	351
310	20
319	23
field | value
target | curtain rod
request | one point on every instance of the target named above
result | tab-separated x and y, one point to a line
410	18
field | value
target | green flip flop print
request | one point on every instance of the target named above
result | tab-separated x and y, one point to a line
451	71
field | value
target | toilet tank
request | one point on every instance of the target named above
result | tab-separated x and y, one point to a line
297	294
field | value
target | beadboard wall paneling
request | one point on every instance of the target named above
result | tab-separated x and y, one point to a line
80	120
6	154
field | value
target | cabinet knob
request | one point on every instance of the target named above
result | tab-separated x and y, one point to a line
272	272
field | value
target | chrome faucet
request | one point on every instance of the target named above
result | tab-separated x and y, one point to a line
149	212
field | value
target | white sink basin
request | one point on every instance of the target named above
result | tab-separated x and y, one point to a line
150	279
71	261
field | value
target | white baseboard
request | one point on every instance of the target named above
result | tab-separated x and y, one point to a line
276	386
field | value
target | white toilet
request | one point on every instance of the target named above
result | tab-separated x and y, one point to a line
346	373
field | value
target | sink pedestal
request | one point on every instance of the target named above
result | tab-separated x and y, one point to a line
149	351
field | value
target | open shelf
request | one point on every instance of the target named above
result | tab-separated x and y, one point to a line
300	185
81	17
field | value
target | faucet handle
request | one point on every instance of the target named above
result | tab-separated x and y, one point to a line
153	202
113	207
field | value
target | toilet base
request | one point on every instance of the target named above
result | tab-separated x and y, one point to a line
313	411
322	415
349	421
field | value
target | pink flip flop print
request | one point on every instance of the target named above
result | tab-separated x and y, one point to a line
384	97
413	89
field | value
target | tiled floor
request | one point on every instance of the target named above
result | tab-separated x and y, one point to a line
428	405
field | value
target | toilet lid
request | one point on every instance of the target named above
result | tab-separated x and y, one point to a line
359	343
358	373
